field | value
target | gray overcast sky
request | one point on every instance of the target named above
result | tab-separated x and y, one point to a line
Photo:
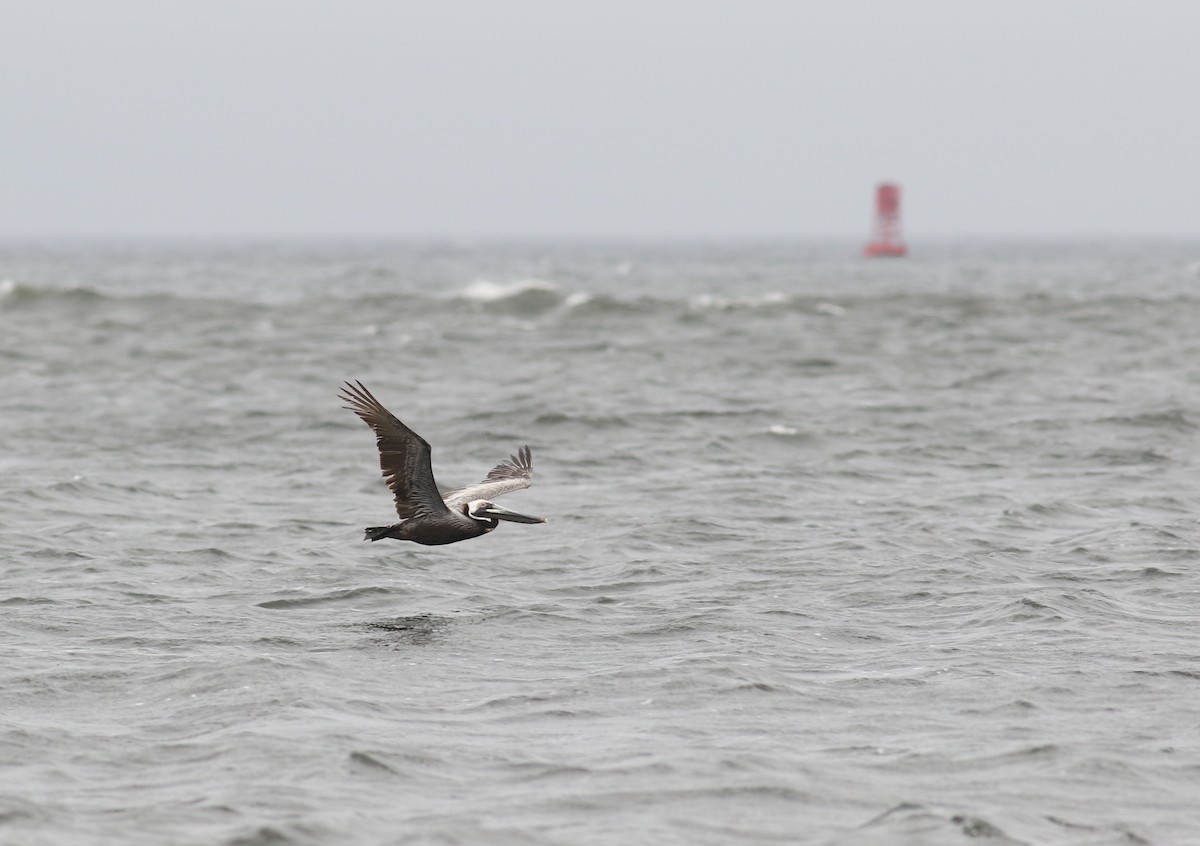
597	118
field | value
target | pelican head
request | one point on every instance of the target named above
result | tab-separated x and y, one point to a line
488	512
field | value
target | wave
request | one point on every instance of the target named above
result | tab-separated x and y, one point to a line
542	298
326	598
529	296
533	297
15	294
537	298
1170	418
914	822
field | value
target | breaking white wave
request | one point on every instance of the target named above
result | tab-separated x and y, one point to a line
487	291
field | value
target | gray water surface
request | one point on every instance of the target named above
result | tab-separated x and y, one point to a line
839	552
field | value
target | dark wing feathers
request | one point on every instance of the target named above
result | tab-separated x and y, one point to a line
512	475
404	456
519	466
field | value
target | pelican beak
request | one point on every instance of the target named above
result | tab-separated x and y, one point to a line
511	516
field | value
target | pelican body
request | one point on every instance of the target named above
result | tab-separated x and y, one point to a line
427	516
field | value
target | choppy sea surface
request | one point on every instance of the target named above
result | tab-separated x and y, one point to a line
839	551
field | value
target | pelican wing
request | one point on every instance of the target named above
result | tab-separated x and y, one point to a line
404	456
513	475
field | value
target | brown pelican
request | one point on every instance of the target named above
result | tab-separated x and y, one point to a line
426	516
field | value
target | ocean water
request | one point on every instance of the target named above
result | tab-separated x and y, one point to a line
839	551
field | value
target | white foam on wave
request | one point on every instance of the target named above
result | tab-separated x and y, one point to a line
718	303
704	301
486	291
831	309
577	299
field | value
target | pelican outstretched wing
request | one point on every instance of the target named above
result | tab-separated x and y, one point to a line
404	456
513	475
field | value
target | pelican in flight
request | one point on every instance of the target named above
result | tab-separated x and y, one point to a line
427	516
